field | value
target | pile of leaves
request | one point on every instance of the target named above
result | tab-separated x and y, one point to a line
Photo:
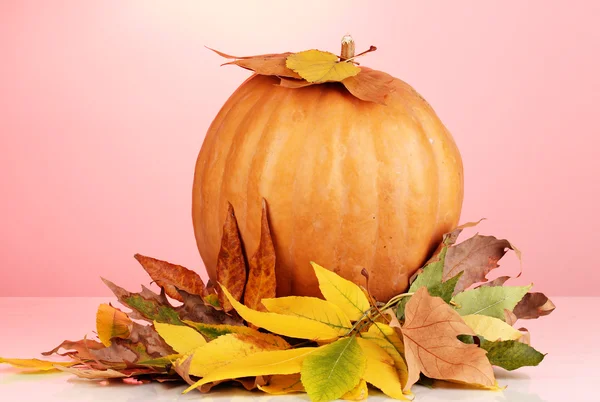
452	325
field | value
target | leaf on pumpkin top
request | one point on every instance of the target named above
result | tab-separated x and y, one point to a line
491	328
264	64
475	257
35	364
150	306
182	339
112	323
534	305
318	66
490	301
334	369
213	331
380	371
511	355
224	350
171	277
283	384
231	265
370	85
262	363
341	292
311	308
431	346
261	275
286	325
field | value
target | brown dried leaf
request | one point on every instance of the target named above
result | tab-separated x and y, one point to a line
534	305
499	281
261	276
509	317
231	265
370	85
293	83
431	346
526	337
264	64
171	277
475	257
92	374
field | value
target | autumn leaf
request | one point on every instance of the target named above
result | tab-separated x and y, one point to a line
499	281
475	257
224	350
358	393
261	275
264	64
391	342
341	292
112	323
380	371
213	331
310	308
181	339
370	85
93	374
261	363
491	328
533	305
317	66
431	346
151	307
283	384
511	355
35	364
292	326
171	277
490	301
333	370
231	264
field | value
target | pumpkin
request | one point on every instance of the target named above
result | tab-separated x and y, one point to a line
350	184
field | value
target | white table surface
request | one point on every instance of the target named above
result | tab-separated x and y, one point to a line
28	326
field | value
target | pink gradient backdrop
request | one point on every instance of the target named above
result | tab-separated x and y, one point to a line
104	105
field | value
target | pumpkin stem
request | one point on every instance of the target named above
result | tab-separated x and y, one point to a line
347	48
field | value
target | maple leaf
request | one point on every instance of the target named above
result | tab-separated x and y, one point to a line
431	346
231	263
475	257
171	277
151	307
261	275
533	305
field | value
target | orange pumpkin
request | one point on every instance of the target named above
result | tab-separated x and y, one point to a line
350	184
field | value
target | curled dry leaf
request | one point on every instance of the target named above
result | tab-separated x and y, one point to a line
475	257
231	264
264	64
534	305
431	346
171	277
261	275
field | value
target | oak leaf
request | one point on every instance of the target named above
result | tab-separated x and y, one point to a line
231	263
261	283
431	346
171	277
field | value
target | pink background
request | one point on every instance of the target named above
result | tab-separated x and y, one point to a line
104	106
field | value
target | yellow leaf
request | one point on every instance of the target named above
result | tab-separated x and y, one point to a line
213	331
389	340
224	350
92	374
380	371
491	328
295	327
283	384
261	363
341	292
181	339
317	66
359	393
310	308
35	364
112	323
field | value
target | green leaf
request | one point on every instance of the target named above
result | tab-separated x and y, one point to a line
334	369
511	355
490	301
